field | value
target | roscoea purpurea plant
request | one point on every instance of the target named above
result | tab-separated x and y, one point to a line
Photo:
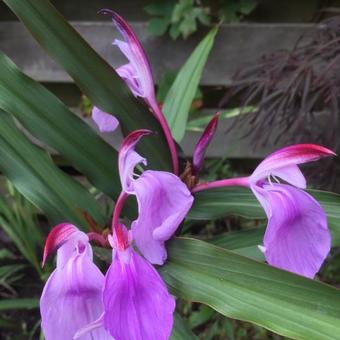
150	261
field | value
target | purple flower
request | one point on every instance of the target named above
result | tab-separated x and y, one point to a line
137	305
138	77
297	238
136	73
163	201
72	296
136	301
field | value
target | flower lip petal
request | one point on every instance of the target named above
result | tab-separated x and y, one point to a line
134	295
290	155
204	142
60	234
163	202
297	238
132	139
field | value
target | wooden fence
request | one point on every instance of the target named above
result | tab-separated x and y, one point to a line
236	45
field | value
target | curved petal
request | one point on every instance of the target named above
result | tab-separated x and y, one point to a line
163	202
63	235
128	158
72	298
105	121
283	163
136	301
297	238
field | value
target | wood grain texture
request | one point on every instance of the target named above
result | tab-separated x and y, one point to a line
236	45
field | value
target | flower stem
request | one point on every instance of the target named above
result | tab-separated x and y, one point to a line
229	182
117	229
168	137
93	236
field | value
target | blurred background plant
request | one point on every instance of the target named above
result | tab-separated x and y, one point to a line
183	17
21	276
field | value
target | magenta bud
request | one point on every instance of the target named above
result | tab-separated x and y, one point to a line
203	143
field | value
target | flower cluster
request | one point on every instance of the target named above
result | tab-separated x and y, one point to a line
131	302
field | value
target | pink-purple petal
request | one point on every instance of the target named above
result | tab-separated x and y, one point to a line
136	301
72	296
290	156
163	202
105	121
297	238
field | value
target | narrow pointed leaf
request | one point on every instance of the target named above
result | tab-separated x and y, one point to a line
48	119
35	176
16	304
181	94
92	74
245	289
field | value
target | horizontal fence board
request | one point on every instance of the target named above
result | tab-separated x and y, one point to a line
229	140
236	45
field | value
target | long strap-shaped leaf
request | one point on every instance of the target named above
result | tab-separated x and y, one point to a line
48	119
39	180
243	242
181	94
216	203
92	74
248	290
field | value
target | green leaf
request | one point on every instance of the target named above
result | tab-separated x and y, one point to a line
200	316
160	8
243	242
181	330
247	6
18	219
181	94
16	304
48	119
158	26
216	203
37	178
199	124
245	289
93	75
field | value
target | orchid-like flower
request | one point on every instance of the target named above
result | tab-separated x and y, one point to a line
163	200
138	77
297	238
136	73
72	296
137	305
